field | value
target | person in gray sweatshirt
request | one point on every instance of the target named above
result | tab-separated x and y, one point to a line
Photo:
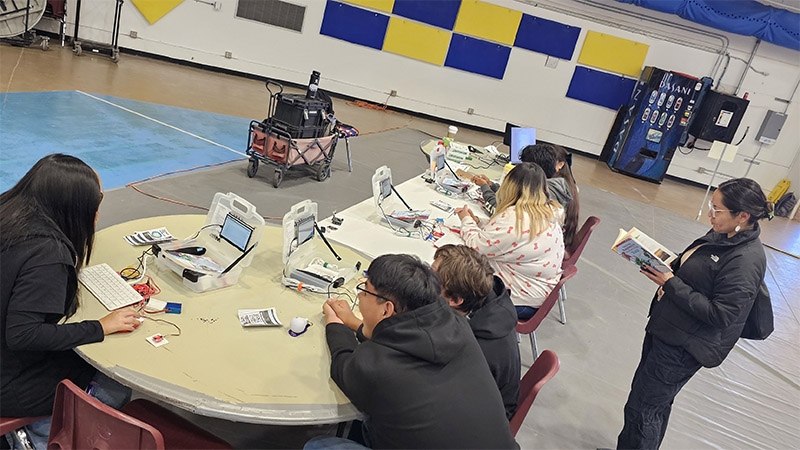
543	155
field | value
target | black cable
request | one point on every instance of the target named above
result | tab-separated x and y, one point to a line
324	239
203	228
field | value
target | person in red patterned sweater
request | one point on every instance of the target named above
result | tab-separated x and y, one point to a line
523	238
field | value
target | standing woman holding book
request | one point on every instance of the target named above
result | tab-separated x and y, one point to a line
523	239
700	309
47	226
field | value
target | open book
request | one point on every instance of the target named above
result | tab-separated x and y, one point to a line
641	249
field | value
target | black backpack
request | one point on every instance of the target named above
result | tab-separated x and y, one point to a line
785	205
759	324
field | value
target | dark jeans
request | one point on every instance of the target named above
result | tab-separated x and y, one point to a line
525	312
661	374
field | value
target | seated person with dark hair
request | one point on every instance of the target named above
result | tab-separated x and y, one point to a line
418	374
543	155
472	290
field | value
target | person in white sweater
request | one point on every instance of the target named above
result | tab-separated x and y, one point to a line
523	239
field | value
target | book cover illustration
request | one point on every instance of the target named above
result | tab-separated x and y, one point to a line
641	249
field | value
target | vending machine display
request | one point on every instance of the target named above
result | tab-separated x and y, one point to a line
659	113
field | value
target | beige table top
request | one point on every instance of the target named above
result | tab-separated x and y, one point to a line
476	166
216	367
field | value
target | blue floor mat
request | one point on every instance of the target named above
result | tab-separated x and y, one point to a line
122	147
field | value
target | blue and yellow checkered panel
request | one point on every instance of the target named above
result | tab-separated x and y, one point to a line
470	35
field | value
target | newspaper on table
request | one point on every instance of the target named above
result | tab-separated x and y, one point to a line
259	318
149	237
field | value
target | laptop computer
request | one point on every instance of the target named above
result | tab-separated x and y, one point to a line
521	138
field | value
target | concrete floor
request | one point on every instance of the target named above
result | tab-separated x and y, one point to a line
599	347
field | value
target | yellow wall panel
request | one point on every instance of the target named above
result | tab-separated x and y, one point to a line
152	10
613	54
488	21
382	5
416	41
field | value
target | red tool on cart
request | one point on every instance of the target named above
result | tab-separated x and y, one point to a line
300	130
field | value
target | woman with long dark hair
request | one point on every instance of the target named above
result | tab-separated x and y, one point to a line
47	223
573	208
523	238
699	310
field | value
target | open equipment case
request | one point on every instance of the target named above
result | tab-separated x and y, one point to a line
307	265
231	232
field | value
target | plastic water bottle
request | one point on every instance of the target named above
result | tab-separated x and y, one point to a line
313	85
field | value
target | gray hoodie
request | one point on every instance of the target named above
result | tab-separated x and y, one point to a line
556	187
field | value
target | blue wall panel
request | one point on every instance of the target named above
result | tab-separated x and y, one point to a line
477	56
546	36
600	88
355	25
440	13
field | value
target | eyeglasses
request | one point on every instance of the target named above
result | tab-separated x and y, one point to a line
715	211
361	287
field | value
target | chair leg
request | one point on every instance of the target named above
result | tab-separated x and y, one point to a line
564	291
534	349
563	313
347	147
20	439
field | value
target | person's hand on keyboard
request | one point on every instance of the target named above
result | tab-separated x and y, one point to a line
125	319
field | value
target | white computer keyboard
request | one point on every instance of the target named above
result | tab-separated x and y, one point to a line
112	291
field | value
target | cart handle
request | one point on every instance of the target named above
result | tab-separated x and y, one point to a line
276	84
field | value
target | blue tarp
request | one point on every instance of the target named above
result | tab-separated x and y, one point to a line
747	17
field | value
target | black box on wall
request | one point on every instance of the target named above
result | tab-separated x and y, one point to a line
718	117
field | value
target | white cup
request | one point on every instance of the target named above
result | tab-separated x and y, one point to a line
451	131
298	325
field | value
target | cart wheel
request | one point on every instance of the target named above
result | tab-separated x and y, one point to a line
277	177
115	56
252	167
45	43
77	49
323	170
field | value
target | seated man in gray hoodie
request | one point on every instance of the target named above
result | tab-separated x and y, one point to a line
543	155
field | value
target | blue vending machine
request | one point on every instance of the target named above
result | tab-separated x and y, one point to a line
659	113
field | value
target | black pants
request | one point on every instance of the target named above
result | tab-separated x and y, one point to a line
661	374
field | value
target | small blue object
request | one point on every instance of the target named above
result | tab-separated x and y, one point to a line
173	308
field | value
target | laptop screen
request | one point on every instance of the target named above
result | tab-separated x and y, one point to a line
236	232
386	187
304	229
521	138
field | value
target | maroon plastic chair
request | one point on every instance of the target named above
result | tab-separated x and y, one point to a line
571	256
542	370
12	424
529	326
81	421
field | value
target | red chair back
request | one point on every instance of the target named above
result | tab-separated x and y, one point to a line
530	325
542	370
9	424
80	421
579	242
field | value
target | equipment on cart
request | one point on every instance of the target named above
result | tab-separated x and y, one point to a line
298	131
218	253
